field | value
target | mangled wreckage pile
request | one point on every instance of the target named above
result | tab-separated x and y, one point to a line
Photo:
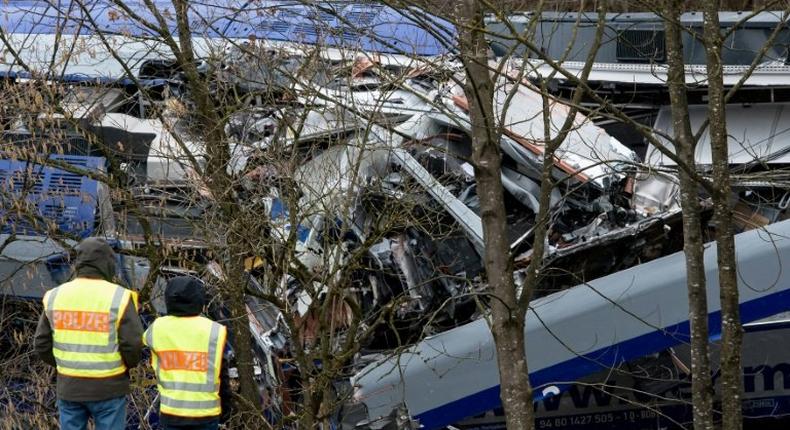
327	150
372	139
367	137
325	166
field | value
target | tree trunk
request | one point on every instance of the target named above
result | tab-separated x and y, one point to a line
731	330
220	184
242	342
507	318
701	384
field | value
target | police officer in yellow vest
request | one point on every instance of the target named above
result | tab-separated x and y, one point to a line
187	356
90	331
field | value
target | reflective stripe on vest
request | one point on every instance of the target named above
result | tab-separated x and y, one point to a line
188	404
84	315
187	354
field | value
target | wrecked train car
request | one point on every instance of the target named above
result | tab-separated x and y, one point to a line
655	391
599	324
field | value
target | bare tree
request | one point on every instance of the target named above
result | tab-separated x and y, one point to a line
732	332
509	304
507	317
702	386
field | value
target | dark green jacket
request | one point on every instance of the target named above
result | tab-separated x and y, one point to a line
95	259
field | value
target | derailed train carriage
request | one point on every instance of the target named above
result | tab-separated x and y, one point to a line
602	324
655	391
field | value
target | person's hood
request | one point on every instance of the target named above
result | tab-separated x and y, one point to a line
95	259
184	296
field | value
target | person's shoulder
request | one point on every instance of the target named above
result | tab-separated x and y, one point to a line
155	322
164	319
47	295
117	285
121	287
221	327
210	322
54	290
90	282
206	320
67	284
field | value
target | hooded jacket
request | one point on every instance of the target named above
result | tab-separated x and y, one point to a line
95	259
185	296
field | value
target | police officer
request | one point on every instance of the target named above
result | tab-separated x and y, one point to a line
187	356
90	331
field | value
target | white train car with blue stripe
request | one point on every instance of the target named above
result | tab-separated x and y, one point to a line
574	333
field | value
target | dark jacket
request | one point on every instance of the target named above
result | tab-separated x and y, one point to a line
185	296
95	259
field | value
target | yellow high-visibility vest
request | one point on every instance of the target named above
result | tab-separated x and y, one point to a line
187	357
85	315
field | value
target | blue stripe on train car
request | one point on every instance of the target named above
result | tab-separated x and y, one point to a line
586	364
